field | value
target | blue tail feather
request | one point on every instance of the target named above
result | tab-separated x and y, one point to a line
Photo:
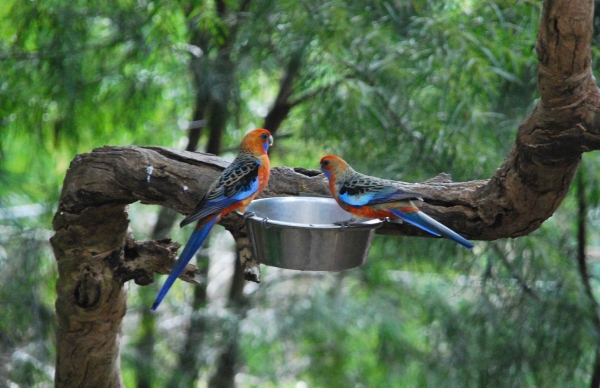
428	224
413	219
194	242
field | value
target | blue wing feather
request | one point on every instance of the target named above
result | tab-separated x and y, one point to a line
361	190
357	200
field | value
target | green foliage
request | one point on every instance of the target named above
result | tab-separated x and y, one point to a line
79	77
383	325
27	279
447	91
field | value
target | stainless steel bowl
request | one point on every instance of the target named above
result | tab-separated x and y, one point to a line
299	233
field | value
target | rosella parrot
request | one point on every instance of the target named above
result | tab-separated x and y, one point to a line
235	188
370	197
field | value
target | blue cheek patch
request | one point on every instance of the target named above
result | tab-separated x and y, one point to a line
327	173
266	146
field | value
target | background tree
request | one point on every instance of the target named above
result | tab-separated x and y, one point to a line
393	85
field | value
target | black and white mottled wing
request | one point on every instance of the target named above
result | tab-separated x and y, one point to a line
236	183
362	190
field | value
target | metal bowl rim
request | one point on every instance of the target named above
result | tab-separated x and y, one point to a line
369	224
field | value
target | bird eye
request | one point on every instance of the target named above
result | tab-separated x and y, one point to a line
325	162
264	136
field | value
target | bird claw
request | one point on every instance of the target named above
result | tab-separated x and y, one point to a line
345	223
349	223
394	220
264	223
248	214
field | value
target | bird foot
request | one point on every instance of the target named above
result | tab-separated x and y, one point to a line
265	223
350	223
345	223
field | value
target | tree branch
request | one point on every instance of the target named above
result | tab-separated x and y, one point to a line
142	259
282	106
91	222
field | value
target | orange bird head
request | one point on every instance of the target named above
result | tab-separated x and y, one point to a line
334	166
257	140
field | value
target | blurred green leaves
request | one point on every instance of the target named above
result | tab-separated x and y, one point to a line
402	90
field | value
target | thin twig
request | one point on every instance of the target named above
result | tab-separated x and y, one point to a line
522	282
583	270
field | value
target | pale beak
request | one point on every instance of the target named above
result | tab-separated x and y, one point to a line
270	140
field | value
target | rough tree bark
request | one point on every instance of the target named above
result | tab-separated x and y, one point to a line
96	255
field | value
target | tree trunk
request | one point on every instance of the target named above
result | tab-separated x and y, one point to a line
584	273
96	256
90	306
144	346
282	105
189	360
227	363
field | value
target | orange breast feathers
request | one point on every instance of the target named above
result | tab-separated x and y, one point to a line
369	212
263	172
380	211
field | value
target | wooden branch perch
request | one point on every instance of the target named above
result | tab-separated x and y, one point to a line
96	255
